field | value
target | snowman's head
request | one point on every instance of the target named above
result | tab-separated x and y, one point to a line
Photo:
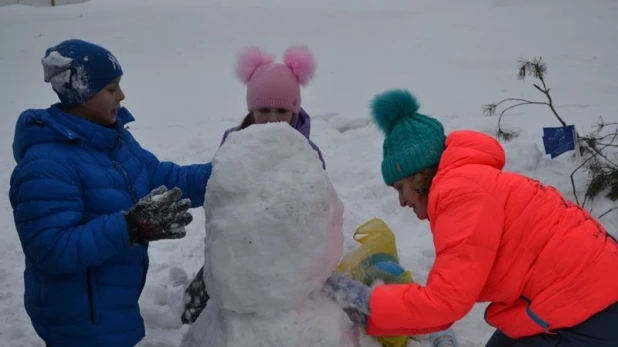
273	221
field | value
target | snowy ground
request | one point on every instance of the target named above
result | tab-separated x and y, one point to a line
178	56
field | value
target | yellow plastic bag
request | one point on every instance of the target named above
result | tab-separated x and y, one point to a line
377	244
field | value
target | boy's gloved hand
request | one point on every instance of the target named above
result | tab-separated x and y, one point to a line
159	215
351	295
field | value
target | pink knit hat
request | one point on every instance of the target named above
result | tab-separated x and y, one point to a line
275	85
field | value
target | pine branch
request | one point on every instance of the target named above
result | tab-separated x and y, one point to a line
534	68
506	135
598	152
604	175
598	181
613	185
602	171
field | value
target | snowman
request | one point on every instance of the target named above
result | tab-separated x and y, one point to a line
273	237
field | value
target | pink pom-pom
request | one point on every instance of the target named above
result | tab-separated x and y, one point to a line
249	60
300	60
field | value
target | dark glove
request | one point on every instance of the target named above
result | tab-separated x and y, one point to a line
195	298
351	295
159	215
357	317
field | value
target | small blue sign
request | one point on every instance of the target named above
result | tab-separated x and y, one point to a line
559	140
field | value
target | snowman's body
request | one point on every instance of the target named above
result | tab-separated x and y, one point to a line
316	322
273	237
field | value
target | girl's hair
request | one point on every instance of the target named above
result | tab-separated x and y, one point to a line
424	178
248	120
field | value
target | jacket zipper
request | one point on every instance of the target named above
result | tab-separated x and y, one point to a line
120	168
124	173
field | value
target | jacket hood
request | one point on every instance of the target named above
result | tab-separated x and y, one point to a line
467	147
38	126
302	123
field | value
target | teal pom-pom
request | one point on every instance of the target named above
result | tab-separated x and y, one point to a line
389	107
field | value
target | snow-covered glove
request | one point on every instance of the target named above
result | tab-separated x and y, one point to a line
351	295
195	298
159	215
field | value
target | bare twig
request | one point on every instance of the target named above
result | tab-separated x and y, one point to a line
545	91
573	180
522	100
606	144
516	105
606	212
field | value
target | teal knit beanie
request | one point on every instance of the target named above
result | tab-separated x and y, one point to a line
413	141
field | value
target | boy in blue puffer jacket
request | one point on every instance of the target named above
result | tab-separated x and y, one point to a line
87	199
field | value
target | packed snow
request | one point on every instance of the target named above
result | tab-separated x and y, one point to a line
456	56
273	236
317	321
273	222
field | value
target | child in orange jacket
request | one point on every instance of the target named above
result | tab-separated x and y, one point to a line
546	266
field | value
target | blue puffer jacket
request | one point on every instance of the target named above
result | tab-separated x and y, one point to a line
83	278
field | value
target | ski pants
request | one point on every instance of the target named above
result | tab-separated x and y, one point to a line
600	330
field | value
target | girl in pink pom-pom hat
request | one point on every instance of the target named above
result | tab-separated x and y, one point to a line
273	89
273	95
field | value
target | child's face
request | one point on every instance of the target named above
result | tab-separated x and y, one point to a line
272	115
103	107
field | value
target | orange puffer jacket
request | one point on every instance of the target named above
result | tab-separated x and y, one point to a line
543	262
